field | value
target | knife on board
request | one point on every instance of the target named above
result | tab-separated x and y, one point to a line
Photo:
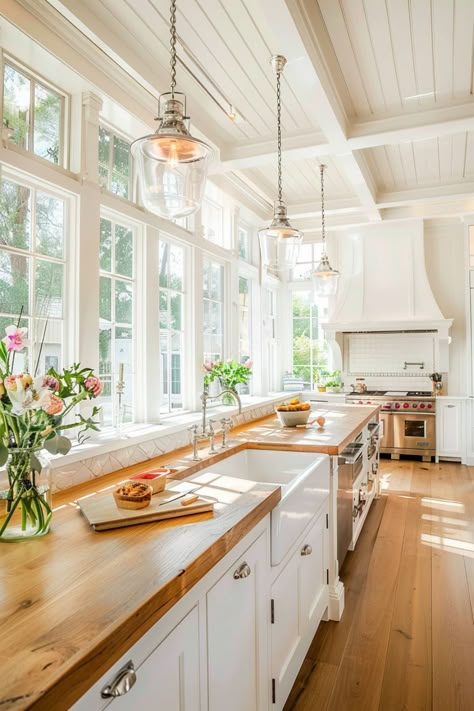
179	496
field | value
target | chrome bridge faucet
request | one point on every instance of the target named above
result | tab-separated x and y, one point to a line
207	430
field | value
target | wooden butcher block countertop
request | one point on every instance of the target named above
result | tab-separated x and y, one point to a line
75	600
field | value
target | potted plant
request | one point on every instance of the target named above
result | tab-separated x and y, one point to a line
333	383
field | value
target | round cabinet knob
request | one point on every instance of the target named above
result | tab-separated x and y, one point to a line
243	571
123	682
422	405
306	550
406	405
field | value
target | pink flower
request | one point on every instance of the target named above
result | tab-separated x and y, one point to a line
50	382
56	405
14	338
248	364
93	385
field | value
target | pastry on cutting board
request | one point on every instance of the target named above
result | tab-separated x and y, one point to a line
133	495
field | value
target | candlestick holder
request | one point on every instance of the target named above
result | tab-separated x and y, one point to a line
120	389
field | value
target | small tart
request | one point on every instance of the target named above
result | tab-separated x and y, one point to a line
133	495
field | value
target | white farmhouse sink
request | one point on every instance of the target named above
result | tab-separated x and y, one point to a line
304	481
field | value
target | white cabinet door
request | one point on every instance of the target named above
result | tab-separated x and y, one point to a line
237	618
169	677
450	422
312	574
300	596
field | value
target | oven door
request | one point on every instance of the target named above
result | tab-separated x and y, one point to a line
414	433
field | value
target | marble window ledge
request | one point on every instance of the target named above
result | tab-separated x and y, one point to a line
112	450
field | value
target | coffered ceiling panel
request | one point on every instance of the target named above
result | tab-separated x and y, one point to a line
402	55
301	180
220	43
445	160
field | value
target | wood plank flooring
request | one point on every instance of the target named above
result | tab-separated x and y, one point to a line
406	639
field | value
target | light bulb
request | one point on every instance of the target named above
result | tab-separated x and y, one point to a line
173	159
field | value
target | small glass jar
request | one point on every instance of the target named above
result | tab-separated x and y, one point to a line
25	495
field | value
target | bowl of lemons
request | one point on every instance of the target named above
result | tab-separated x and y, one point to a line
293	413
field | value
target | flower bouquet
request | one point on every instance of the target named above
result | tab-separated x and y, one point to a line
229	373
33	412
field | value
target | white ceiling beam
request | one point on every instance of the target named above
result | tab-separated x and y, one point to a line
327	96
430	210
313	209
412	127
252	155
240	191
435	192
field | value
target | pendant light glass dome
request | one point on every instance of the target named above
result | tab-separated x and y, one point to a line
279	243
172	165
325	278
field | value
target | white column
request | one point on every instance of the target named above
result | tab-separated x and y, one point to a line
336	587
87	246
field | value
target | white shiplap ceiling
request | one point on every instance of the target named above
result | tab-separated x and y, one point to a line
379	90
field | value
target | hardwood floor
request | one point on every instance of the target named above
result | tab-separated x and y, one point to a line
406	639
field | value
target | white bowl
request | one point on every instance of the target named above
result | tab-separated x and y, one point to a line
291	419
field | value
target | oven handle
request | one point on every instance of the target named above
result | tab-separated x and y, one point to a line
416	415
351	460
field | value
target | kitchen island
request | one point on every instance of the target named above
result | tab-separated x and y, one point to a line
76	600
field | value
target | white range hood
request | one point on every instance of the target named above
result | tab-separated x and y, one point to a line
384	288
383	284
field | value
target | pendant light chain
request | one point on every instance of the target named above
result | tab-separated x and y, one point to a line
323	225
173	45
280	189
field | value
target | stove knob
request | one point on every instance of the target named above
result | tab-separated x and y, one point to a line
406	405
360	402
429	406
422	405
397	406
415	405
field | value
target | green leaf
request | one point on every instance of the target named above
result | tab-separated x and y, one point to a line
3	454
35	463
51	445
64	445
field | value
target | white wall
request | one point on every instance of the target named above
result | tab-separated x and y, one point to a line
447	269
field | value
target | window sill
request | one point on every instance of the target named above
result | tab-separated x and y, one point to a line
111	439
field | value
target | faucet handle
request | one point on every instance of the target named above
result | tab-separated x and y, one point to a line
193	429
211	422
227	423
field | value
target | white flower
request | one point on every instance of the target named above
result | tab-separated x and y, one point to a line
31	398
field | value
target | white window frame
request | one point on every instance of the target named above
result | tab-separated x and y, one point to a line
124	221
65	99
36	185
131	172
186	295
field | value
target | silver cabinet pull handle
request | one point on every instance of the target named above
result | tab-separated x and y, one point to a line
123	682
243	571
306	550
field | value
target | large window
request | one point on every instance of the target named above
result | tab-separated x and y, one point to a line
33	114
171	326
213	326
114	163
32	264
244	243
308	258
213	222
271	341
244	324
116	352
309	348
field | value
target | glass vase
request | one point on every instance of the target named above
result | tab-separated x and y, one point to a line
25	496
228	398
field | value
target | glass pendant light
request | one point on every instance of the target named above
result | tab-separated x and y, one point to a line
172	165
325	278
279	243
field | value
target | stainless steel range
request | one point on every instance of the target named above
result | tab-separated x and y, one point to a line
409	421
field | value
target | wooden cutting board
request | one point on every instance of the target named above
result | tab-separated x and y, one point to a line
103	513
